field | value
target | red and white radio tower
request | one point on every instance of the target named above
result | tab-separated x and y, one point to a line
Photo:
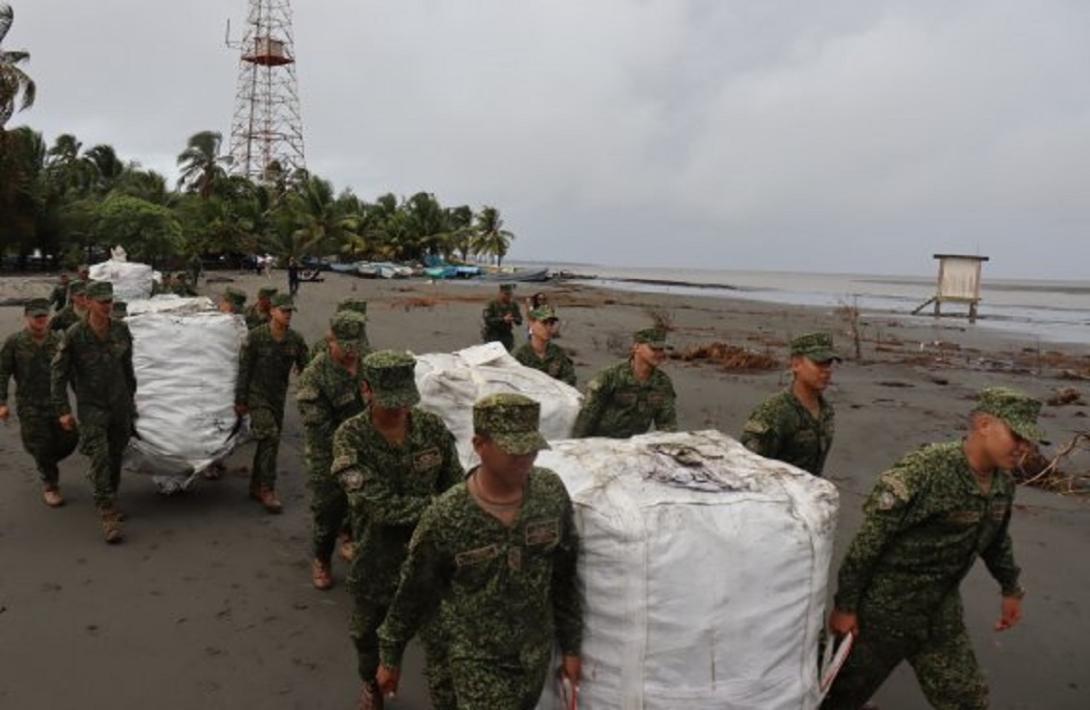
267	130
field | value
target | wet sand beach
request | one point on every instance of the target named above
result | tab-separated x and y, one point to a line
208	602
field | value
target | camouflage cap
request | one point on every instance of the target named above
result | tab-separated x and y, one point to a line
349	328
545	312
37	307
390	375
120	309
1017	410
815	346
77	286
235	297
266	292
655	337
354	305
100	291
283	301
507	287
511	420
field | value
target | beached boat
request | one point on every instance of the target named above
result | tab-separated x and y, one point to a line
349	268
528	276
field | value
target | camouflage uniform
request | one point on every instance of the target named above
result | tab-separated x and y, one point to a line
504	596
69	316
346	306
328	395
782	428
391	485
264	367
254	316
556	362
100	372
196	266
926	522
495	327
618	406
29	363
58	298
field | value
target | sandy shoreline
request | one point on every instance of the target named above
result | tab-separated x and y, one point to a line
208	603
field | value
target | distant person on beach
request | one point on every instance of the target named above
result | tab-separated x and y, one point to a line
26	356
258	313
626	399
75	310
293	276
541	353
796	425
95	358
501	315
925	522
196	267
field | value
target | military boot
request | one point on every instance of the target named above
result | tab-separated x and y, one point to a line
111	525
370	697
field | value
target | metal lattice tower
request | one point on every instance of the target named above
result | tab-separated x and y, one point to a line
267	129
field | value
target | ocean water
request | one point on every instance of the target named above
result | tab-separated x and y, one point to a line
1053	311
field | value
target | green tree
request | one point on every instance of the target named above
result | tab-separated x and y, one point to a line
148	232
14	82
201	163
491	238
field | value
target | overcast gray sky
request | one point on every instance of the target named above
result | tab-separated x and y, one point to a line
744	134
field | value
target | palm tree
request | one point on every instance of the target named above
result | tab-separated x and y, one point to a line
313	220
201	163
107	167
492	238
13	80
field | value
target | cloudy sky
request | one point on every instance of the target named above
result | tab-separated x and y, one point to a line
730	134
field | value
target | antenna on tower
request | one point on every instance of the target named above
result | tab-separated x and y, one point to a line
267	128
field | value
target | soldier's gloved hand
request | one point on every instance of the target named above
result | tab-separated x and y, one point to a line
387	679
843	623
5	412
68	422
1010	613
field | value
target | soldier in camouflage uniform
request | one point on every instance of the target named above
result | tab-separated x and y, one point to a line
182	286
95	357
926	521
258	313
350	305
58	298
27	356
232	301
74	311
625	399
500	317
541	353
392	460
264	366
196	266
796	425
494	560
328	395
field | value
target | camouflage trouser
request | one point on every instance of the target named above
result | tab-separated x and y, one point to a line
265	428
329	510
507	338
44	439
367	616
481	684
940	653
103	436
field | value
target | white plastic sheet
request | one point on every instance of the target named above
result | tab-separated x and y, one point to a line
450	383
705	569
185	355
131	281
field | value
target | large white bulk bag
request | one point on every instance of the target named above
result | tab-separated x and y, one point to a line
185	355
450	383
705	568
131	281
